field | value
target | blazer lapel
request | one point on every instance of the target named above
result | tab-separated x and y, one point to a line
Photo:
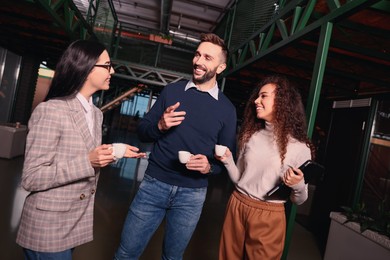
98	117
80	122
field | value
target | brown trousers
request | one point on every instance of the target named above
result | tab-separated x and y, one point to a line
252	229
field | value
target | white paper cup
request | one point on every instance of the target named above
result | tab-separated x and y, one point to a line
220	150
184	156
119	150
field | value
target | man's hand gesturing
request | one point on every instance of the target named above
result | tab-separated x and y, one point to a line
171	118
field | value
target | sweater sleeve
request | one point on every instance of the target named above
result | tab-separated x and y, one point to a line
232	169
227	137
299	193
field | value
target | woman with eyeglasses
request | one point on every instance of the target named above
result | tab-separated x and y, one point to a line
64	155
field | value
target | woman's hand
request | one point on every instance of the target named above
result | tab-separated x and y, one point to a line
101	156
292	176
224	157
133	152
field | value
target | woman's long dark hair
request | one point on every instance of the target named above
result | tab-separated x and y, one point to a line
289	119
74	67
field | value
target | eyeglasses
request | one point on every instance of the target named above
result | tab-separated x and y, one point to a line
106	66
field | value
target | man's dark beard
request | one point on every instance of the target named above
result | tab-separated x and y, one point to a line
206	77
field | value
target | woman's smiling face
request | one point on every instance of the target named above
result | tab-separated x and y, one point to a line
265	102
99	77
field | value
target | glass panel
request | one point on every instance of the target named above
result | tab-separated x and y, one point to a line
376	186
104	23
136	106
9	73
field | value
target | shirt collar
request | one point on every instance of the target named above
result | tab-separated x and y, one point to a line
87	104
213	91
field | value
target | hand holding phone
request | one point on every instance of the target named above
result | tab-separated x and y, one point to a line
292	176
311	171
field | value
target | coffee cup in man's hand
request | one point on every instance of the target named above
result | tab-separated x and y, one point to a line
184	156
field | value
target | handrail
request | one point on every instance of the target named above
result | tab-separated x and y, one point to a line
117	101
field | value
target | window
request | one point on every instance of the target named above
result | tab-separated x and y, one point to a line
137	105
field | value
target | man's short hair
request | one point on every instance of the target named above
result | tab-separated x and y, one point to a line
215	39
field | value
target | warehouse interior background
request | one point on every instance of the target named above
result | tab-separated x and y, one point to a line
337	52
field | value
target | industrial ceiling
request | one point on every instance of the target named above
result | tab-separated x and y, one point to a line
357	62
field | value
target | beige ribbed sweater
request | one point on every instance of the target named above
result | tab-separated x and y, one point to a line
259	167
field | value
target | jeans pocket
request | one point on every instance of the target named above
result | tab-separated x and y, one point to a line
148	178
149	183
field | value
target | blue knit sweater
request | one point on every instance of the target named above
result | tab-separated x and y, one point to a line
207	122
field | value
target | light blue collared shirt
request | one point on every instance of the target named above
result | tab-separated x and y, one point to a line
213	91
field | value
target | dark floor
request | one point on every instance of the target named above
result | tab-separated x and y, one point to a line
117	186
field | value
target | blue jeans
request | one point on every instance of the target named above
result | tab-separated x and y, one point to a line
35	255
154	200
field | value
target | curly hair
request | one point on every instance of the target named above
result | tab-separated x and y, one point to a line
289	120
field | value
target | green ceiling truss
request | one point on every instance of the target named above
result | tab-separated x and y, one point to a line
267	39
67	16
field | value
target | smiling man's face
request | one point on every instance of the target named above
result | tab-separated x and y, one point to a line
207	62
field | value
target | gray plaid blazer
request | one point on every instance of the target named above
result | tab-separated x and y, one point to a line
58	212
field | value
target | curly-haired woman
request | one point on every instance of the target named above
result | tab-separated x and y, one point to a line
272	138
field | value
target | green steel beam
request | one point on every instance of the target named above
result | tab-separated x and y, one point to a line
333	4
283	10
282	28
261	42
233	60
268	38
383	5
295	20
265	35
311	108
306	14
231	19
282	3
243	53
68	17
252	47
338	14
318	75
290	225
232	16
